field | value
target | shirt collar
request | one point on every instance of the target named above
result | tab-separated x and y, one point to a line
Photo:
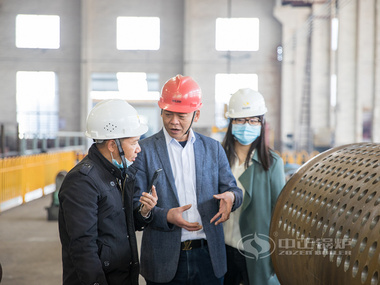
169	139
254	156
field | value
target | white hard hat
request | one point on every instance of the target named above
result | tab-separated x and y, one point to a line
246	103
114	119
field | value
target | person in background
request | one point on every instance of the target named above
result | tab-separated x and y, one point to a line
96	218
260	174
196	192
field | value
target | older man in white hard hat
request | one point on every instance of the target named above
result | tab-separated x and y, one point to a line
97	221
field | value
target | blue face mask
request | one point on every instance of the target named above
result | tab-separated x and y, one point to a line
246	134
121	165
118	165
129	163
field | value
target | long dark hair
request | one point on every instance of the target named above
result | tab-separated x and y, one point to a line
259	144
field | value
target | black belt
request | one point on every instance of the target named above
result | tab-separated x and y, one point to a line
191	244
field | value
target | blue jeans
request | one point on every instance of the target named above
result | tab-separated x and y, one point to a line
194	268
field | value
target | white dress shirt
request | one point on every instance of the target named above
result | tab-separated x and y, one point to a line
232	234
182	161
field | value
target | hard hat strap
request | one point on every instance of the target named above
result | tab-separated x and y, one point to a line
121	153
192	120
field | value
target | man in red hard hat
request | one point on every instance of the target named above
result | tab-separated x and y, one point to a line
184	243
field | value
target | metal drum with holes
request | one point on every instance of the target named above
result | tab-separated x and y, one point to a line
325	227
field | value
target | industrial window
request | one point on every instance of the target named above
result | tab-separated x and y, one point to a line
334	33
225	86
237	34
37	104
38	31
138	33
139	86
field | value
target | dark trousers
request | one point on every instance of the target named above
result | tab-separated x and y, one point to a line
236	268
194	268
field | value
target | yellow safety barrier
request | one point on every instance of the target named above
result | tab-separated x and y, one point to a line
297	157
26	178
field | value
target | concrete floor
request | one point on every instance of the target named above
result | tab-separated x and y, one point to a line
30	250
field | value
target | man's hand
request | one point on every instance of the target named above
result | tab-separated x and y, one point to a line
148	201
226	201
174	217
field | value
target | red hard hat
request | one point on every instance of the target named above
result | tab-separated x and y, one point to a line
181	94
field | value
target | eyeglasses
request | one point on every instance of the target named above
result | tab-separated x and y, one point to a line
251	121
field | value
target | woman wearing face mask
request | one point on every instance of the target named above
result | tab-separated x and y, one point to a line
259	172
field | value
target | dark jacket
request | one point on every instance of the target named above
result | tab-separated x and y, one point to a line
97	223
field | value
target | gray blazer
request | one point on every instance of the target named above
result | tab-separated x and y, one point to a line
160	248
